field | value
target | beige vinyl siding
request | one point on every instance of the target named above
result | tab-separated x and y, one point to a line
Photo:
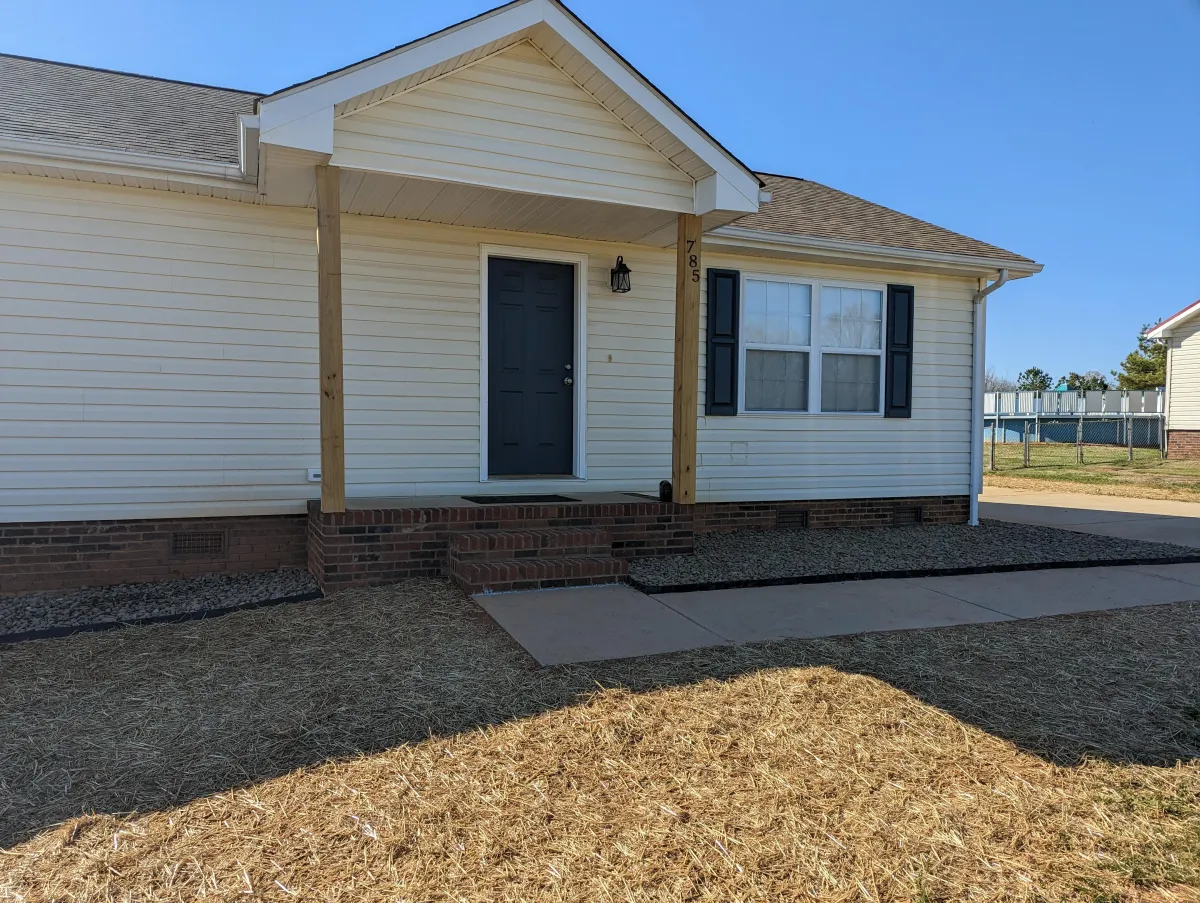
157	354
1183	380
512	121
412	297
158	358
758	456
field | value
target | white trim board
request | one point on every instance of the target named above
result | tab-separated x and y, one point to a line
580	262
733	239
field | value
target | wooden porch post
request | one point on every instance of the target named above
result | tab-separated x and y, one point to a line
687	360
329	329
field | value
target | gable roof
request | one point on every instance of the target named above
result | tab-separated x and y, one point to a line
635	95
85	107
1163	329
100	108
805	208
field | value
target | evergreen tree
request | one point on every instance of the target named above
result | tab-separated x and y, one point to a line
1034	379
1145	367
1091	381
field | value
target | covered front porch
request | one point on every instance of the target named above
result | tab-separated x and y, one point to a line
522	135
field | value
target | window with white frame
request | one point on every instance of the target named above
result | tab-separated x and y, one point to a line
810	345
777	336
851	348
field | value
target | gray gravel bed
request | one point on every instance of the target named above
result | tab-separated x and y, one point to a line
748	557
133	601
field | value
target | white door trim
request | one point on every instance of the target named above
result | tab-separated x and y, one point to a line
580	263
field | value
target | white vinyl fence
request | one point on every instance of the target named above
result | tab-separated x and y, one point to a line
1033	429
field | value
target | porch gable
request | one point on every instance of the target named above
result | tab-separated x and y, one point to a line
512	121
558	115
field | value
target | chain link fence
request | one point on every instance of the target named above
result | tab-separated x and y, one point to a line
1014	441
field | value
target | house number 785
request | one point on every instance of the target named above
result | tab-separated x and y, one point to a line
693	260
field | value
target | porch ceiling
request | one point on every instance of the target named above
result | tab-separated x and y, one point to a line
457	204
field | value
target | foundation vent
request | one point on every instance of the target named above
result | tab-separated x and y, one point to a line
791	519
906	514
198	544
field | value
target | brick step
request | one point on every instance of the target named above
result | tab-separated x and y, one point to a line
545	542
537	573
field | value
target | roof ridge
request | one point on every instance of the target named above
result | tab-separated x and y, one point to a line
153	78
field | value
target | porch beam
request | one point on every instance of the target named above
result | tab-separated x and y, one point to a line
687	360
329	329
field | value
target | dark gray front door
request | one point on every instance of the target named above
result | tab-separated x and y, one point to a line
531	347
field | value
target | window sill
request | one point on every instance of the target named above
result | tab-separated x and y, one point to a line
809	414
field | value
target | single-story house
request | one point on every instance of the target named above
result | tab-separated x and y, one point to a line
550	289
1180	332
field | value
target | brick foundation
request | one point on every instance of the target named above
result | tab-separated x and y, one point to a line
66	555
1183	444
721	517
359	548
382	546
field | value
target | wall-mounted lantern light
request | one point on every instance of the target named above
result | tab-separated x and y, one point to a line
620	276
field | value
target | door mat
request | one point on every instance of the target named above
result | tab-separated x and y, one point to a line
517	499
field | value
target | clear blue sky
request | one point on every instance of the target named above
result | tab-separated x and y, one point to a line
1065	131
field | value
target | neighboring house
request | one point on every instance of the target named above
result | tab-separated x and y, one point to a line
1181	333
175	316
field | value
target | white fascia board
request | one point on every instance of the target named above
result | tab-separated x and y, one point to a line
304	100
151	166
1164	329
862	252
716	193
313	132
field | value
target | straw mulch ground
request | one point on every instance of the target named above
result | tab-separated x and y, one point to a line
393	745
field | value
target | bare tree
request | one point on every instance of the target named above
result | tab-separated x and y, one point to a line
994	382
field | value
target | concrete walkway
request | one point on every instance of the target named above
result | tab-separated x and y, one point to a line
1151	520
578	625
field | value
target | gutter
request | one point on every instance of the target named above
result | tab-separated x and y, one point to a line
734	236
53	153
977	372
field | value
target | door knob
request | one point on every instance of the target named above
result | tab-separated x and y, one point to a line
567	381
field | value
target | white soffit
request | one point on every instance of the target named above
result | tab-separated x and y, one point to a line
1164	329
476	206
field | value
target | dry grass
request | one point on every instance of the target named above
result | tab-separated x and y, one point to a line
1118	490
394	745
1106	472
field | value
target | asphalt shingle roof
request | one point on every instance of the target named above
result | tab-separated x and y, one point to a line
99	108
801	207
47	101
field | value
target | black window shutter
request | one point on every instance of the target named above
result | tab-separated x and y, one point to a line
899	357
721	376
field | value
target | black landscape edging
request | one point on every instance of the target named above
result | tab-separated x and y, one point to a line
199	615
651	589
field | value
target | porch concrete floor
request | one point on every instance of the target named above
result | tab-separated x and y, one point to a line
502	487
596	623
